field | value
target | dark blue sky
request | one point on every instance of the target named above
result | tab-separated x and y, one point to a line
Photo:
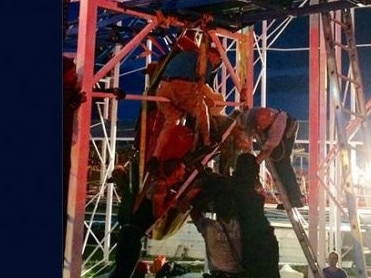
288	76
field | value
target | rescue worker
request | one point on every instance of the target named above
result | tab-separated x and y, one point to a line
252	248
275	131
151	204
180	84
222	237
260	250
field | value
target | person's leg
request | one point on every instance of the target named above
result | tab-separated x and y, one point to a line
282	161
202	120
164	135
288	179
128	250
171	114
189	98
269	267
261	258
129	244
248	253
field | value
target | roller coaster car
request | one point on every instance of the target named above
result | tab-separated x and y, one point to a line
180	146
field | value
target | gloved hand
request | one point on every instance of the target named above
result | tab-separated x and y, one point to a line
76	99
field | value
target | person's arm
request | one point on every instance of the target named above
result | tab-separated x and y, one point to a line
243	141
274	136
77	99
263	154
73	99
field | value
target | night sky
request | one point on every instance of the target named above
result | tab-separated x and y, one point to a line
287	71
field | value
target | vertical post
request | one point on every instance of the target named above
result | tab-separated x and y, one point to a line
250	67
143	122
314	123
245	60
344	153
323	133
224	73
336	216
113	104
215	39
263	101
80	151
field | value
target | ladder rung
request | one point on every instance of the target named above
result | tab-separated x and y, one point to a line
346	26
338	22
342	46
348	79
349	112
295	219
358	115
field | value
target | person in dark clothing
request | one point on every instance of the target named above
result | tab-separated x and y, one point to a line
275	131
260	252
126	180
333	270
222	236
72	99
150	205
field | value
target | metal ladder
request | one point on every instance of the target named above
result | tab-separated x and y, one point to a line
335	77
295	216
